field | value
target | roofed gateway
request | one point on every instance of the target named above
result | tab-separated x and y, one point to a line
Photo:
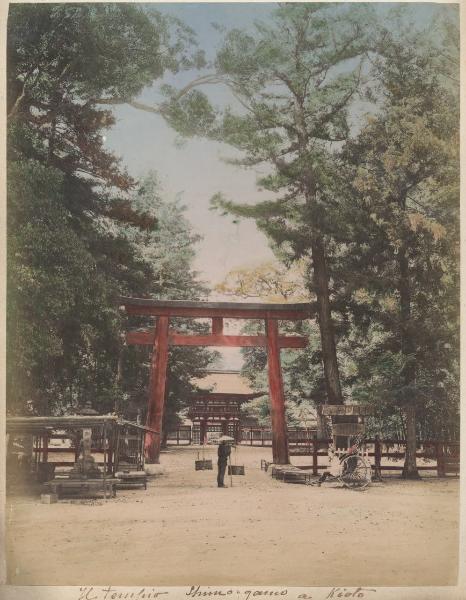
216	407
162	336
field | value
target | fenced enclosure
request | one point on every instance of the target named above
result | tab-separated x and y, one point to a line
39	445
385	455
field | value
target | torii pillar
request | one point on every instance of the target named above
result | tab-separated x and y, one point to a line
277	397
157	385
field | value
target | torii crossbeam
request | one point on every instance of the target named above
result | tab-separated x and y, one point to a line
161	337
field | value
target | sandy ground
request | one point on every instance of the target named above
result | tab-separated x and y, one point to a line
184	530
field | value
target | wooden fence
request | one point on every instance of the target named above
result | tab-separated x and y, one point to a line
444	455
262	436
182	435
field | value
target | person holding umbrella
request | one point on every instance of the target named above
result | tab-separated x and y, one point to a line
224	451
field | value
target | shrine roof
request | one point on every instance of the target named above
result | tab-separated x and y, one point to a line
240	310
38	425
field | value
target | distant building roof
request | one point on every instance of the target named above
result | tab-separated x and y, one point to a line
224	382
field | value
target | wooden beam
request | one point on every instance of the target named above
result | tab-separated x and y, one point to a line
277	396
239	341
346	409
235	310
158	376
202	313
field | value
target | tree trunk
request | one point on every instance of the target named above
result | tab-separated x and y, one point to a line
410	467
409	371
327	333
321	426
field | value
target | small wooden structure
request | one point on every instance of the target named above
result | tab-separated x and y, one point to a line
107	435
59	485
161	337
347	421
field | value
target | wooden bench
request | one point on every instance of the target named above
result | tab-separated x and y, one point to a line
297	477
128	478
278	471
60	485
291	474
451	466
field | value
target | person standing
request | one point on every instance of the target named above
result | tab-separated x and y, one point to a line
224	451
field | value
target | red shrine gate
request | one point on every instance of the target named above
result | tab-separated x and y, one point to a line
162	337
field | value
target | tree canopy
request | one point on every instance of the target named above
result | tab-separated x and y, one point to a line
81	231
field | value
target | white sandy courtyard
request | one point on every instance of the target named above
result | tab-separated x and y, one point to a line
184	529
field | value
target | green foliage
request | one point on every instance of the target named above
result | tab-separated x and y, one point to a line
404	202
80	231
385	202
63	322
270	282
295	82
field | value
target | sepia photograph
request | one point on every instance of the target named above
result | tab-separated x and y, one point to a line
232	298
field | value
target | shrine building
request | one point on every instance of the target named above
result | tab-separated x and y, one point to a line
216	408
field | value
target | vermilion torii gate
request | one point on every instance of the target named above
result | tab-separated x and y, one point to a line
162	337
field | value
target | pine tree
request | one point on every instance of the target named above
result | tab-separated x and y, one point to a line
294	82
404	210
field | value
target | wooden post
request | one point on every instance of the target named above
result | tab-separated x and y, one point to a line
110	456
217	326
35	445
315	457
87	448
377	459
45	453
104	442
277	397
158	377
202	431
440	459
116	454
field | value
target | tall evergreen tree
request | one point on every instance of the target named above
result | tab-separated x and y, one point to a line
69	206
294	82
404	210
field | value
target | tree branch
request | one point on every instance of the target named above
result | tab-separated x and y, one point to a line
159	109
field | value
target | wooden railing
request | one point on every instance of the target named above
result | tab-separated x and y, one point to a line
182	435
444	455
262	436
